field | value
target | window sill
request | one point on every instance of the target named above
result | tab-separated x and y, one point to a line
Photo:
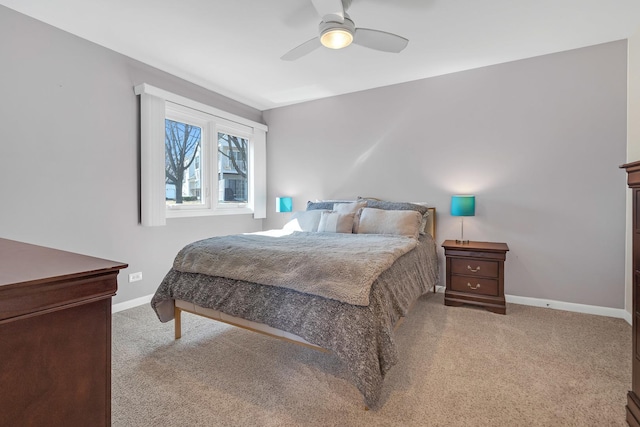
190	213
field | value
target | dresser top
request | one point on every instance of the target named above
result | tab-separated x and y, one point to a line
23	263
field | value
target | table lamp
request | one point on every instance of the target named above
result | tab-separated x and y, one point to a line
463	205
284	204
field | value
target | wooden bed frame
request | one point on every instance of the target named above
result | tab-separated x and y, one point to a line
188	307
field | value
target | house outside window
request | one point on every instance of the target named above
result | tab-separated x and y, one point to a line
232	168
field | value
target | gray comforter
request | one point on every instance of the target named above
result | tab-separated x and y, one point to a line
360	336
330	265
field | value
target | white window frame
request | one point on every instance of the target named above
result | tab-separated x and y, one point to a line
154	104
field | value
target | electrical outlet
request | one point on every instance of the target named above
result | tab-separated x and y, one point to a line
135	277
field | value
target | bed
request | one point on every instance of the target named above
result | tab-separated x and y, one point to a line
331	287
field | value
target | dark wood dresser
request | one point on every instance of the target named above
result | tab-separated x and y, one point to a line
55	336
633	402
475	274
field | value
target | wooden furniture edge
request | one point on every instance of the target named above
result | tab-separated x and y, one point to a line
491	303
432	222
177	313
473	245
178	328
633	402
633	409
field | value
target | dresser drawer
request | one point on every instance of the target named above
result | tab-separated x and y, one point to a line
474	285
472	267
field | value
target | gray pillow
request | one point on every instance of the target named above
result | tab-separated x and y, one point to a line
304	220
325	204
334	222
396	206
399	222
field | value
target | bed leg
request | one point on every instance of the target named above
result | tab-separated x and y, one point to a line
177	322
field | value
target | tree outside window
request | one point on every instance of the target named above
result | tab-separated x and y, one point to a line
182	147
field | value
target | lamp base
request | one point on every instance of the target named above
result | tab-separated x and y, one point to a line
462	242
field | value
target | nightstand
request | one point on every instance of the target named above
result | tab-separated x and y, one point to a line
475	274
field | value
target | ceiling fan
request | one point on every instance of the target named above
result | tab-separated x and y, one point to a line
337	30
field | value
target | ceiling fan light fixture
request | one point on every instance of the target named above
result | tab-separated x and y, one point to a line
337	31
337	35
336	38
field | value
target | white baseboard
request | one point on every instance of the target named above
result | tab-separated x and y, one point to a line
136	302
534	302
569	306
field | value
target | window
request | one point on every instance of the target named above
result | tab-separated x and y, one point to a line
211	162
220	150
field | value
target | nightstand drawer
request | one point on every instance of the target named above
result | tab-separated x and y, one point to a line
472	267
474	285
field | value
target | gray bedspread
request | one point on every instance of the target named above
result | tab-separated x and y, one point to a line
360	336
331	265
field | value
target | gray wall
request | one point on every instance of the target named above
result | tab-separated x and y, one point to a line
538	141
69	147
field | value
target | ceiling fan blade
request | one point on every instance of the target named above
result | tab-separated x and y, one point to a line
379	40
303	15
330	10
302	50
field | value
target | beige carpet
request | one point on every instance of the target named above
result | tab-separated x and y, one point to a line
460	366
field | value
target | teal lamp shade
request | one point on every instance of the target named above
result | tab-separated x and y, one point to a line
284	204
463	205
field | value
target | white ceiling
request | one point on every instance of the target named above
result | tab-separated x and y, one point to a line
233	47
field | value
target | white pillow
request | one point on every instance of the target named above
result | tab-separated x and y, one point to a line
379	221
353	207
334	222
304	221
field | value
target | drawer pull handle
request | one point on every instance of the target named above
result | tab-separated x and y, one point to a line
473	270
473	287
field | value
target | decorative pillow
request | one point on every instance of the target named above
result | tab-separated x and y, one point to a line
356	221
304	221
400	206
352	207
334	222
399	222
